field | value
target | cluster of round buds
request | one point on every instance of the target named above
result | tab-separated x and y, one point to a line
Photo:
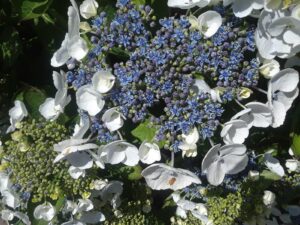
30	157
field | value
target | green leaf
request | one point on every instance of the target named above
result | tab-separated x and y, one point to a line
32	98
139	2
31	9
144	132
268	175
296	144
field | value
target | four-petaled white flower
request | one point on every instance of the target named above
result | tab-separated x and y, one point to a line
160	176
88	8
16	114
149	152
103	81
53	107
187	4
235	132
112	192
282	91
120	152
209	23
201	86
113	119
45	212
219	161
89	99
73	46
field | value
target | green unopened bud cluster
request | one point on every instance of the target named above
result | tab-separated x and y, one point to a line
190	220
132	214
30	156
238	206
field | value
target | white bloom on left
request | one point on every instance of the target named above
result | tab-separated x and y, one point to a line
88	8
187	4
228	159
73	46
17	114
89	99
160	176
235	132
8	215
149	152
44	211
120	152
53	107
209	23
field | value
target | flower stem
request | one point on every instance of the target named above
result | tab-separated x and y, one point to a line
261	90
240	104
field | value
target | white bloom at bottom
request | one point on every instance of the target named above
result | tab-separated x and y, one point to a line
45	212
268	198
161	176
149	153
187	4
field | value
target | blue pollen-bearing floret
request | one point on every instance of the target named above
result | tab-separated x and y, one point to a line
156	72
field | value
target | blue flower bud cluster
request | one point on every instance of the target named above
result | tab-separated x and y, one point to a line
156	78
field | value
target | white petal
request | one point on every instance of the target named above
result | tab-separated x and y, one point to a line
75	172
7	215
81	128
192	137
80	160
10	199
85	205
4	182
215	173
73	21
279	114
88	8
47	109
160	177
45	212
112	119
209	23
132	156
23	217
235	163
269	68
281	24
274	165
103	81
262	115
61	56
59	80
242	8
201	86
181	212
92	217
233	149
286	80
292	37
211	156
271	5
187	4
149	153
77	48
89	100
